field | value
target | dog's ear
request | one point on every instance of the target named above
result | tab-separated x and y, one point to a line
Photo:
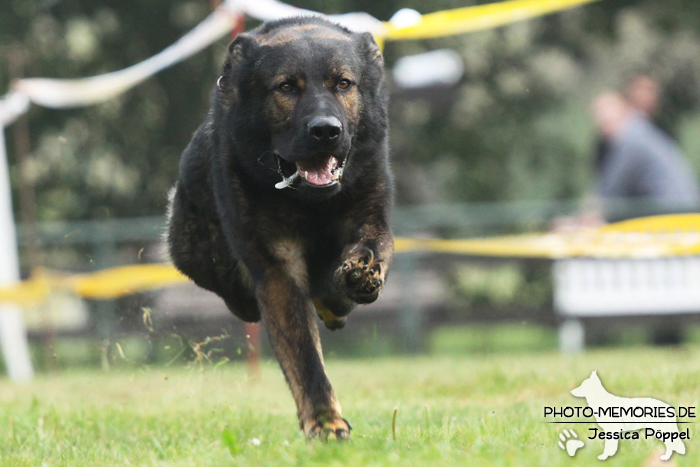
242	47
373	72
369	48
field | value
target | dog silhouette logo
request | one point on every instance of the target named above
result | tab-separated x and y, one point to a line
621	418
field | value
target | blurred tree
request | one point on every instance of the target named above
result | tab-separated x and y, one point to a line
521	127
118	158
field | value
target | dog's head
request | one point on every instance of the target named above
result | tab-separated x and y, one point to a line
296	96
589	387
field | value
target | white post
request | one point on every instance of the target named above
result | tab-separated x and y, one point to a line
13	332
572	336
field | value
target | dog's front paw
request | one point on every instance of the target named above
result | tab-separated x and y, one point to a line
338	429
361	276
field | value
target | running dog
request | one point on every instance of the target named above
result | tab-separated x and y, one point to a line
282	204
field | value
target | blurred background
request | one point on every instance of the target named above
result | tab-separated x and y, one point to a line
504	142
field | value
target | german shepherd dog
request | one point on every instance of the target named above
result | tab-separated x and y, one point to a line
282	204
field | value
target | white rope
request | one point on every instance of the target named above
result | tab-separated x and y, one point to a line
268	10
60	93
57	93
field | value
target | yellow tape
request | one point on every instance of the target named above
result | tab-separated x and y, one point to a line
105	284
477	18
668	224
126	280
563	245
26	293
651	237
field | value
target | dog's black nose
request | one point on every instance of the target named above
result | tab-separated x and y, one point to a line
325	130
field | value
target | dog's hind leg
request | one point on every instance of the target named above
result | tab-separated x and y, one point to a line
673	445
198	249
609	450
288	315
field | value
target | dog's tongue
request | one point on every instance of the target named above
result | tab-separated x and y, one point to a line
317	172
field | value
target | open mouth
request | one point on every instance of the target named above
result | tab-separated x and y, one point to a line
319	172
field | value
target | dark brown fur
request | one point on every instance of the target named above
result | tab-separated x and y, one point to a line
285	255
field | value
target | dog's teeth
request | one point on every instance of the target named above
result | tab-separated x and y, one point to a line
306	175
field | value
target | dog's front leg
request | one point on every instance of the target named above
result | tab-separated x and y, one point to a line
288	315
365	263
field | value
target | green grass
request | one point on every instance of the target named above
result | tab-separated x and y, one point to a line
466	411
490	339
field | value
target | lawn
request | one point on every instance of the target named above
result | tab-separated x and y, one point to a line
467	411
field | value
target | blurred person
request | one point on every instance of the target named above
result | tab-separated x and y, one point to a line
635	159
642	93
640	161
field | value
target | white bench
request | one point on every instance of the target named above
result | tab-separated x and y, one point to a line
590	287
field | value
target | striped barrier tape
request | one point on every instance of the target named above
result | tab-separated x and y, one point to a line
64	93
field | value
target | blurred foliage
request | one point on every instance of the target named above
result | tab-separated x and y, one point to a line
119	158
518	126
517	287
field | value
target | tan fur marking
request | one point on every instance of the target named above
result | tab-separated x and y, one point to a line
300	32
280	108
291	254
350	100
244	275
280	105
278	39
330	34
284	77
342	71
306	27
287	331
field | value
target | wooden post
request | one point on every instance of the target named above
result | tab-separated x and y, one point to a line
252	334
27	201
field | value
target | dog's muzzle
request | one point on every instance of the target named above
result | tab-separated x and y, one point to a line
318	172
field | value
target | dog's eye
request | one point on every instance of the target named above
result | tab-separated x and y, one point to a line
286	87
344	84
